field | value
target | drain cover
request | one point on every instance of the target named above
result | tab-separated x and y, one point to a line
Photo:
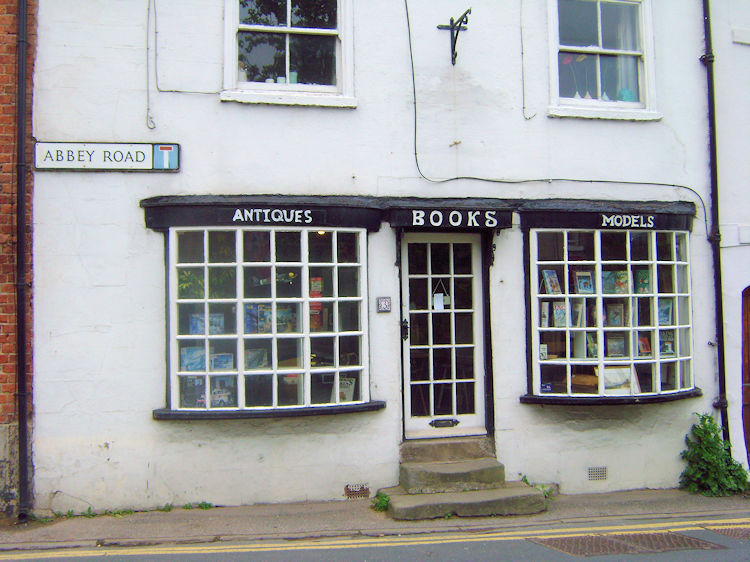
592	545
739	533
634	543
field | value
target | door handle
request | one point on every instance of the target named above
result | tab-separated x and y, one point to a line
404	329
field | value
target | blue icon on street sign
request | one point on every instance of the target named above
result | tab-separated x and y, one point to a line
166	156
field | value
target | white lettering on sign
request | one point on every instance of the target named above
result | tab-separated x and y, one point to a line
628	221
454	218
295	216
94	156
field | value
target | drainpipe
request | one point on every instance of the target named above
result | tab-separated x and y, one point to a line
715	236
24	503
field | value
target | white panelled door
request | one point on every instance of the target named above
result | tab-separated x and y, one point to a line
442	312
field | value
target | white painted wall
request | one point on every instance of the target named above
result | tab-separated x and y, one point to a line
99	366
731	39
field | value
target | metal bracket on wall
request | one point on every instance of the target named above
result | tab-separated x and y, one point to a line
456	26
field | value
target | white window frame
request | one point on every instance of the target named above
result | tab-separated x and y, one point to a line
643	110
240	370
340	95
577	360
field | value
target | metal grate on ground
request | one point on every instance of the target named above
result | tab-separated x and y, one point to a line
741	533
632	543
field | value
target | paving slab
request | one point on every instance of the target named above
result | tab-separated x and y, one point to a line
348	518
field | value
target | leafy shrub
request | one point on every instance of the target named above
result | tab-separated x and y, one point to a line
710	469
380	501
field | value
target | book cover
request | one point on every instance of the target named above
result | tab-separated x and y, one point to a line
665	312
222	361
666	342
223	392
286	318
216	323
584	282
544	320
346	388
197	324
592	349
615	345
642	281
551	282
621	282
644	345
558	314
615	315
608	282
257	318
192	358
256	358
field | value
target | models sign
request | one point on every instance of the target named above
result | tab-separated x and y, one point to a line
129	157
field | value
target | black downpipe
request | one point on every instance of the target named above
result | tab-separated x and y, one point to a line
715	237
24	503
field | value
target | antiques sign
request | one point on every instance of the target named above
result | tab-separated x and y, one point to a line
98	156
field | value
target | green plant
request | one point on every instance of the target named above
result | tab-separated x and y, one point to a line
165	508
546	491
88	513
187	506
70	513
380	501
205	505
710	469
118	513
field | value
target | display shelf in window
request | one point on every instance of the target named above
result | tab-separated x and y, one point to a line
611	313
267	318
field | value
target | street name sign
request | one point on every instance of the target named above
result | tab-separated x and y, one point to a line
100	156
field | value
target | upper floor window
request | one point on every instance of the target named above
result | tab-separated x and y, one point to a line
602	56
288	51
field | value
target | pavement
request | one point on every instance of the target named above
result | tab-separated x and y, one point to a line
350	518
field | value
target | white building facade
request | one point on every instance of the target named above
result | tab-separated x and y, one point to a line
271	244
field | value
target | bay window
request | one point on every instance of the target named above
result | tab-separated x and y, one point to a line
611	312
267	318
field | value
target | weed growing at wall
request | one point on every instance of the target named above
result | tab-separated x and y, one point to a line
380	501
710	469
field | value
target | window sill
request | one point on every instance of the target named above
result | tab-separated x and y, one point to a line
623	114
609	400
290	98
167	414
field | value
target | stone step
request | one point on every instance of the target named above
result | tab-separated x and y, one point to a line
449	449
453	476
515	498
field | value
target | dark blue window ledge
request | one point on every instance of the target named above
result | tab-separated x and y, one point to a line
610	400
167	414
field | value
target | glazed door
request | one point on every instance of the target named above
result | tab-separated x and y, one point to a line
442	332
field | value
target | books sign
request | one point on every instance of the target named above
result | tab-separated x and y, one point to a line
98	156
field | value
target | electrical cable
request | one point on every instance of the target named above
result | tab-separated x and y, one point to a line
149	118
523	66
524	180
156	63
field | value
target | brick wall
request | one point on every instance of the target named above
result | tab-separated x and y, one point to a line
8	207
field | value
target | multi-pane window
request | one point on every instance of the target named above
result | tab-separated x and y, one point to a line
267	318
610	312
288	43
601	52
